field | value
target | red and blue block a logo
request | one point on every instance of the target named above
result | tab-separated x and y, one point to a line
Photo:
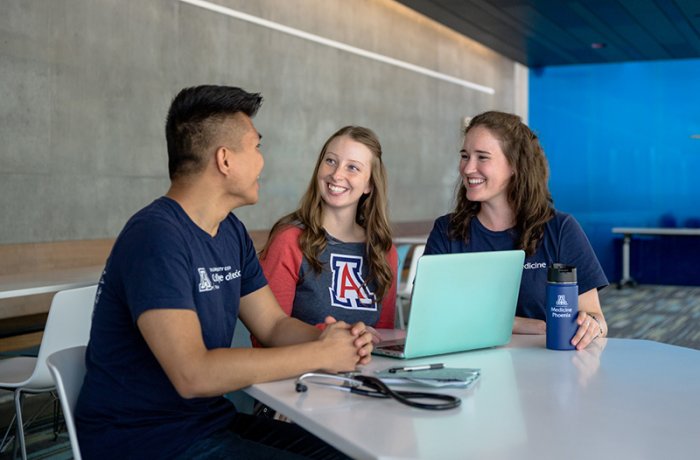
348	289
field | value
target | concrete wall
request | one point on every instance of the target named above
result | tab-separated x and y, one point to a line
85	85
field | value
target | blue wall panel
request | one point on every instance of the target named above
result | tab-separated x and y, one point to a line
618	140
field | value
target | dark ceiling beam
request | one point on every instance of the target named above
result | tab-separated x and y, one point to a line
559	32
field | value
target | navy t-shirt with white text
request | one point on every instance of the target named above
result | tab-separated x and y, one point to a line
564	242
128	407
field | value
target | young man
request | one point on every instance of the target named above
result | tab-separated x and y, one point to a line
180	273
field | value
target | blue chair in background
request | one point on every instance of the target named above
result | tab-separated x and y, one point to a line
668	220
692	222
405	286
402	250
241	339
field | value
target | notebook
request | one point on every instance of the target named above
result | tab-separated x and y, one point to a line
458	377
460	302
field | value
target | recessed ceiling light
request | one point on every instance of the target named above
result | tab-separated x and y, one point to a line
598	45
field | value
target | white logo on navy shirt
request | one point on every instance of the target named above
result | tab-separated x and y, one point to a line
211	279
348	289
534	265
205	283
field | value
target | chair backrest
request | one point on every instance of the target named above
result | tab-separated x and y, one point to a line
67	368
402	252
68	325
241	336
407	286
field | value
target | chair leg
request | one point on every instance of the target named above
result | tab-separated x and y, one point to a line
9	437
399	313
56	416
20	423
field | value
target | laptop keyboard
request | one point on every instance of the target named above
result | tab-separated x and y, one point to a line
399	347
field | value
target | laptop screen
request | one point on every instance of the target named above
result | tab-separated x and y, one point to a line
463	302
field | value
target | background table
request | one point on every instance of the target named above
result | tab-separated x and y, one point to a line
46	282
414	239
627	233
619	399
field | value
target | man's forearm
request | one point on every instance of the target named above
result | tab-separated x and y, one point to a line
291	331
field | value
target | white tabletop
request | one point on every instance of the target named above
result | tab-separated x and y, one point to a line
26	284
657	231
413	239
620	399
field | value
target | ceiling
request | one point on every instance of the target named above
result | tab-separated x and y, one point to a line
557	32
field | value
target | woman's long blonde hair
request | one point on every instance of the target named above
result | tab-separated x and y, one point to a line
528	194
371	214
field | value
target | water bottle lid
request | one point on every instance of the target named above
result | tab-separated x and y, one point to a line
561	273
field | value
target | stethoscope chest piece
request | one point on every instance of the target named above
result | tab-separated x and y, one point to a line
300	387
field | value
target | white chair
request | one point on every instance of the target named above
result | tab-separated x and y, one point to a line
405	288
67	325
68	371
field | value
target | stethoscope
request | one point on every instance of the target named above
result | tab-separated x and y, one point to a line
373	387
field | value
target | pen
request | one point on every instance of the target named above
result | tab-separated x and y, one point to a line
421	367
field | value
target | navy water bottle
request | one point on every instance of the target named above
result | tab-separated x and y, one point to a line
562	306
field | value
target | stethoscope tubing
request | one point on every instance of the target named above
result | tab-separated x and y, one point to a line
378	389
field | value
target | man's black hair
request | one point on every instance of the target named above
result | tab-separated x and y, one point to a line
194	117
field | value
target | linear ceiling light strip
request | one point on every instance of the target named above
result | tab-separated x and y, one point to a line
338	45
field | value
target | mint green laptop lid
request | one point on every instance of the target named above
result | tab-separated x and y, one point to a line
463	302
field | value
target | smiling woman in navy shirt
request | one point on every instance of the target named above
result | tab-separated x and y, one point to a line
503	203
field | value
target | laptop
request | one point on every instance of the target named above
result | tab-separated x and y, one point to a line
460	302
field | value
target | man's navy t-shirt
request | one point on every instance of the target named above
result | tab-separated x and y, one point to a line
127	407
564	242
